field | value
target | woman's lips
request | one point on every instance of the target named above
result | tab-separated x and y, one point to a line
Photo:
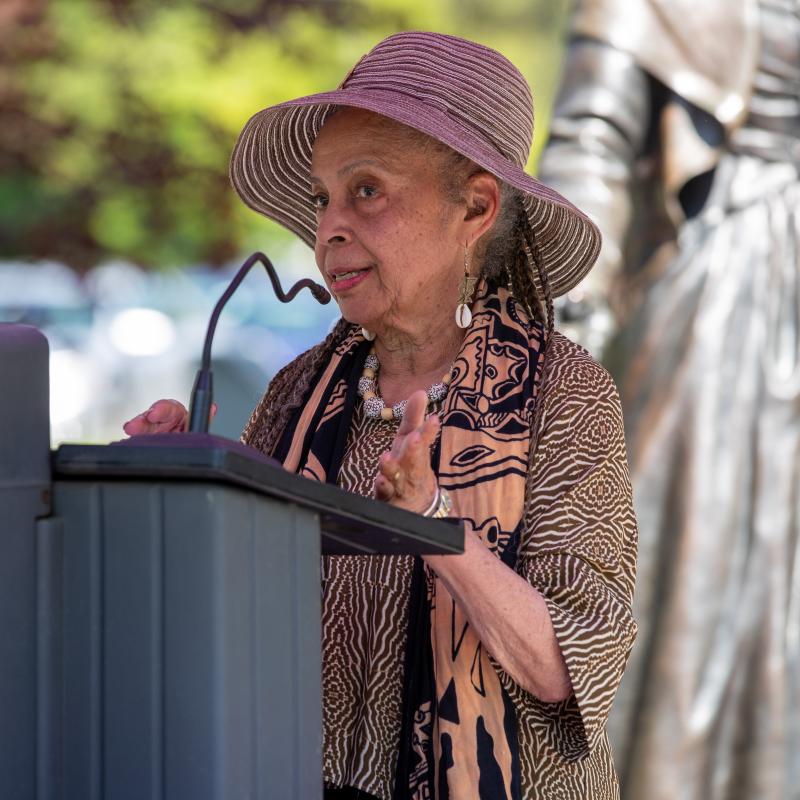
347	280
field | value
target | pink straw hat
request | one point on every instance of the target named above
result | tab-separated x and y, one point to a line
463	94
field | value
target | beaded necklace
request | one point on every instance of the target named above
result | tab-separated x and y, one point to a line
373	403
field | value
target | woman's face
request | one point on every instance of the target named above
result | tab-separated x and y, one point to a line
388	241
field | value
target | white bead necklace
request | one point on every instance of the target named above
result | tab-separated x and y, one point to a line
374	406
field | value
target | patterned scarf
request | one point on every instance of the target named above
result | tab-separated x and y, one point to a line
459	736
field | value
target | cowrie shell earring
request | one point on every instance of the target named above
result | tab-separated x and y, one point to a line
465	292
463	316
368	335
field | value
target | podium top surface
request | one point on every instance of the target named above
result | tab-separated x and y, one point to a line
351	524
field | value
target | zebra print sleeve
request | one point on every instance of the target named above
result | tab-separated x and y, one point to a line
579	545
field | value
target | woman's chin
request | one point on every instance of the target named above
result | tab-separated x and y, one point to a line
370	325
355	315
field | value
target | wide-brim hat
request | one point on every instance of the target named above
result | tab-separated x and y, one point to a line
465	95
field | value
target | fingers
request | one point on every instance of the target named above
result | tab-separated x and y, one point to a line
430	429
136	426
390	469
164	416
402	488
414	415
405	478
166	412
414	419
415	448
384	490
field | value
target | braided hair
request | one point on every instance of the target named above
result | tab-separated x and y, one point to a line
511	255
289	390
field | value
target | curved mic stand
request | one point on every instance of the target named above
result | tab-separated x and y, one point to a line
202	392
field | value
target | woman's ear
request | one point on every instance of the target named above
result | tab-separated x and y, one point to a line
482	198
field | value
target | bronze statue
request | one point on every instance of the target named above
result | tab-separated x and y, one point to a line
677	127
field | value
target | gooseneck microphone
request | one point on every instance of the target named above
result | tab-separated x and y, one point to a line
202	391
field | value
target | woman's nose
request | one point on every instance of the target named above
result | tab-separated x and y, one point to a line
333	226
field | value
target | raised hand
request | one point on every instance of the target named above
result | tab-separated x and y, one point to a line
405	478
164	416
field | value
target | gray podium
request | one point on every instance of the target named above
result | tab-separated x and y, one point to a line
160	604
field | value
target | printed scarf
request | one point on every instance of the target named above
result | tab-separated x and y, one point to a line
459	735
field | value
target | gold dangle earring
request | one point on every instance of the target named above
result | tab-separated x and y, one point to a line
466	290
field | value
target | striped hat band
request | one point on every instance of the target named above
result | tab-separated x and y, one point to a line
463	94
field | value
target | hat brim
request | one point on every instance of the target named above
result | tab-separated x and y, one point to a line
271	162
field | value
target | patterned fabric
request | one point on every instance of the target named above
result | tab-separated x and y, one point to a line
364	623
575	542
483	464
579	551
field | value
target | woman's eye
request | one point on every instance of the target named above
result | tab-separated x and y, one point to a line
366	191
319	200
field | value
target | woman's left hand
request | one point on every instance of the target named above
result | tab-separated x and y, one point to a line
405	478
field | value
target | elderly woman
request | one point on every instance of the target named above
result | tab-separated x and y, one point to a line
445	390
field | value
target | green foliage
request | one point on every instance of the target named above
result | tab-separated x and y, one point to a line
118	116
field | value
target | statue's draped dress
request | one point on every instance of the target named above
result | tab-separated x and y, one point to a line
709	369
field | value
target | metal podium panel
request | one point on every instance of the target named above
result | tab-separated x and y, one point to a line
351	525
190	621
24	498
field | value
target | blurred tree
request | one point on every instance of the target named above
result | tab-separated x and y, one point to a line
117	116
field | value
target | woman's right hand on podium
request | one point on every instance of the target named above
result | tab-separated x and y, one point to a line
164	416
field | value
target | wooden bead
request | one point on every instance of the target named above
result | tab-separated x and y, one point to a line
368	373
386	414
369	395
